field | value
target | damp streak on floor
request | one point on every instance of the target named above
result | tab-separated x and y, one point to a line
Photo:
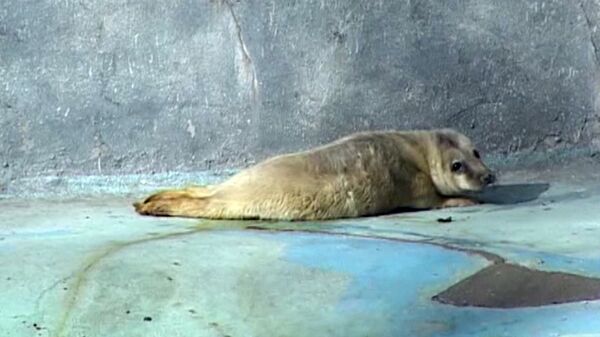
92	267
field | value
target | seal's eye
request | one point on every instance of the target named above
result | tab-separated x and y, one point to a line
476	154
456	166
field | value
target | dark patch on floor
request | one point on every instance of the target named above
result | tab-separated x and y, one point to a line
505	285
510	193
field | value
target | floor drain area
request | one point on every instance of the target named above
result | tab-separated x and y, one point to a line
505	285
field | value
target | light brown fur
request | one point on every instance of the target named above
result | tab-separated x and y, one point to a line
363	174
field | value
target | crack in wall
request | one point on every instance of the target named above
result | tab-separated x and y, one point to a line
246	59
581	129
590	26
479	102
595	126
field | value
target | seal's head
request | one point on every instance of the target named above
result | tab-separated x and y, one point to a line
455	164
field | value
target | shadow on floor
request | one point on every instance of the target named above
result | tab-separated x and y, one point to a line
511	194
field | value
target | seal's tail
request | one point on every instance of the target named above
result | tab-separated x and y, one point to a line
189	202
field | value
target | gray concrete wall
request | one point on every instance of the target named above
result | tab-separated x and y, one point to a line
116	86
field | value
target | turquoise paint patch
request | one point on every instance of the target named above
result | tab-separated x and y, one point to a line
395	280
391	280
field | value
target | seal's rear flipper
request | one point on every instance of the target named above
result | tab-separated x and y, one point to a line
182	206
189	202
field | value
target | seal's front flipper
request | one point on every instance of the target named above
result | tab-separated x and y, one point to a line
458	202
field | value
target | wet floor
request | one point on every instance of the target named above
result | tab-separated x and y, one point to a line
92	267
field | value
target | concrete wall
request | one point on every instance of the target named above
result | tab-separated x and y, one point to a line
137	86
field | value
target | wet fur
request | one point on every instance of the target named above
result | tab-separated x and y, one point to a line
363	174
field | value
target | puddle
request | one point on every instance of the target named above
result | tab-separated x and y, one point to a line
505	285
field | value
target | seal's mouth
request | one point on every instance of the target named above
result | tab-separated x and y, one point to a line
488	179
480	184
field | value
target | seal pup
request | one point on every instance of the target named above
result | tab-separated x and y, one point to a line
367	173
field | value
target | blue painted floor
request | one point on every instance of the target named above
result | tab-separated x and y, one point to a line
92	267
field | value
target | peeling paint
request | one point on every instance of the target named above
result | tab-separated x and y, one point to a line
191	129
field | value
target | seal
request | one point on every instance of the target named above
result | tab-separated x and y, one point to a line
364	174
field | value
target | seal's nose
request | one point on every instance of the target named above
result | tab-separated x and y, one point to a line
488	179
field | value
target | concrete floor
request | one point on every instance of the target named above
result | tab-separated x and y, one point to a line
92	267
